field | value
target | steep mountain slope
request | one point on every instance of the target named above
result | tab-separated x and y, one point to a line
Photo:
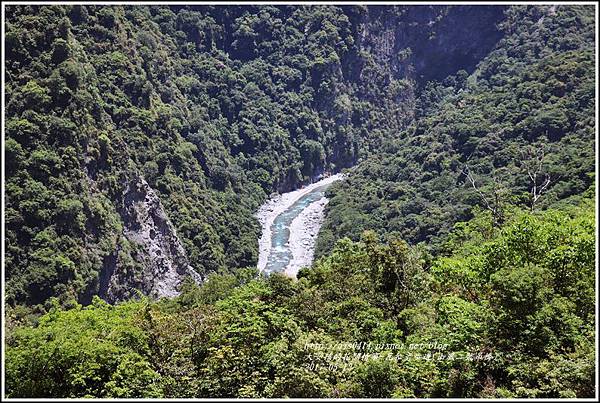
209	108
527	108
141	139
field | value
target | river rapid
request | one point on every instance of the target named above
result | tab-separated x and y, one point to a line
290	224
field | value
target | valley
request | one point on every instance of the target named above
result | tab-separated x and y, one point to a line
270	200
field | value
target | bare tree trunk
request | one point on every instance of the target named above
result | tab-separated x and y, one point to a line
534	164
495	206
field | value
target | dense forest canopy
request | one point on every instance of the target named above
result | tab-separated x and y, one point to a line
528	106
140	140
213	107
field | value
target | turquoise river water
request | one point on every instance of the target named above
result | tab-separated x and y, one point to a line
281	254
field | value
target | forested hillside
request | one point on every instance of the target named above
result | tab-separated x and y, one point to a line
511	312
527	108
141	140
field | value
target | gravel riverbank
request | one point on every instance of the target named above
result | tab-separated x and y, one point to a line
303	235
301	229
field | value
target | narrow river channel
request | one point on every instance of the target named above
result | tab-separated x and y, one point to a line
290	223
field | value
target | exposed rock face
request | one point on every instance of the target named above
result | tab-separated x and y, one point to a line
442	39
160	263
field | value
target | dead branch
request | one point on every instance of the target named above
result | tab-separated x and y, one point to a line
494	207
534	164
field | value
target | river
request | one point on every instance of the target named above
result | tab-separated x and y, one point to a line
290	224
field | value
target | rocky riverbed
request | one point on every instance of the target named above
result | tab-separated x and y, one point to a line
303	235
293	238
